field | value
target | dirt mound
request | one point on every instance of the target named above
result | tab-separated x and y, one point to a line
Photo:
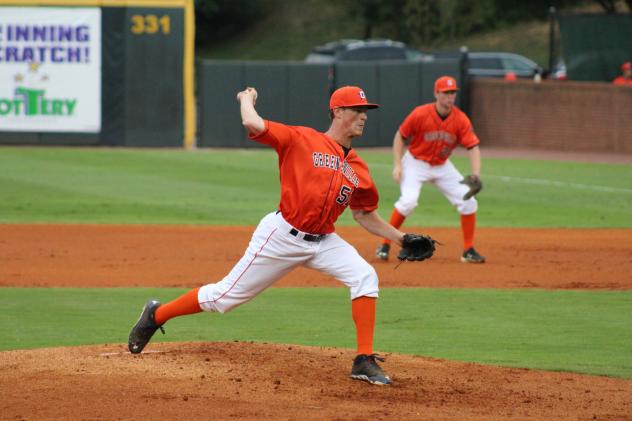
264	381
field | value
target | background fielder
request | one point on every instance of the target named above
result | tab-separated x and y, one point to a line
321	175
432	131
625	78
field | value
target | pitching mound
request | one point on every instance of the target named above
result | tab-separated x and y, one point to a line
263	381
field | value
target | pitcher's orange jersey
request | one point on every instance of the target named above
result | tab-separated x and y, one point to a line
317	181
433	139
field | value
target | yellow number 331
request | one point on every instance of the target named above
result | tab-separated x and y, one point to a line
150	24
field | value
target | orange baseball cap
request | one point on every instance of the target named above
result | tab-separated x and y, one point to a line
445	83
626	66
349	96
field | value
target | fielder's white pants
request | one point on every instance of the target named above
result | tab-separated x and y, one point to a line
274	252
446	177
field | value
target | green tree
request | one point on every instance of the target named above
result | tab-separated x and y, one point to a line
610	6
427	22
379	17
217	20
422	21
464	17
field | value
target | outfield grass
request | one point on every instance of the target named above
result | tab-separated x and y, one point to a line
587	332
238	187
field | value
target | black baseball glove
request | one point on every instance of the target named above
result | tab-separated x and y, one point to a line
416	247
474	183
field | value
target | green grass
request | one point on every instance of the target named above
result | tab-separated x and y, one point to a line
125	186
238	187
524	193
587	332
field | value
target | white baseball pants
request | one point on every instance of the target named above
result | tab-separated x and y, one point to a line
446	177
273	252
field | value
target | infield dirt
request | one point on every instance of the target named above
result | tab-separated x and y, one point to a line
265	381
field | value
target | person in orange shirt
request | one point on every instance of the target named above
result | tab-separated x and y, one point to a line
432	131
626	75
321	175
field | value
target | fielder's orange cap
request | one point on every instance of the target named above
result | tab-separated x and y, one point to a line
349	96
445	83
626	66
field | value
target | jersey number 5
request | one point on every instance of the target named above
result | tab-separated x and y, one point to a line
344	195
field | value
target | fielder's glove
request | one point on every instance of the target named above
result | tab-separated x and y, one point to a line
474	183
416	247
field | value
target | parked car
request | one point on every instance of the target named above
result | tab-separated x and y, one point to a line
495	63
363	50
498	64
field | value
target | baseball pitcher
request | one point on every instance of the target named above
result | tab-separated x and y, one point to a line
321	175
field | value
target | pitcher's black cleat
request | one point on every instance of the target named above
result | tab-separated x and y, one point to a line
144	328
365	368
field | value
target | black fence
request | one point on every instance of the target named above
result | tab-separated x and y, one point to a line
298	94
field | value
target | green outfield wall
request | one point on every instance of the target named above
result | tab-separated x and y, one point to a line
97	72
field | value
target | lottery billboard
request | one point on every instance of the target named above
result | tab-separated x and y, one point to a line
50	69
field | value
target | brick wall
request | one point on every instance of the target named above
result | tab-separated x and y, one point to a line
553	115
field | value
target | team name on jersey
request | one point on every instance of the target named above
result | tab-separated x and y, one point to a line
349	174
325	160
439	136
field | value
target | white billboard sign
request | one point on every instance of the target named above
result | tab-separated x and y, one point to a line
50	69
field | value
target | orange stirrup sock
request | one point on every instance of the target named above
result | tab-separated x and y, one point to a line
181	306
397	219
363	311
468	223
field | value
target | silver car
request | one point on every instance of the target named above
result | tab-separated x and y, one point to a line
498	64
363	50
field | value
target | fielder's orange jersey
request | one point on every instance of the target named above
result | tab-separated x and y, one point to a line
317	181
433	139
622	81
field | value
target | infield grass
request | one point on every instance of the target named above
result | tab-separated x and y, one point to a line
580	331
238	187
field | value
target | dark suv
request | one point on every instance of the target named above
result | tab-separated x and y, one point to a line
367	50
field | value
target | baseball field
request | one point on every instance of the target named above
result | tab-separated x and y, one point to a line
542	330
